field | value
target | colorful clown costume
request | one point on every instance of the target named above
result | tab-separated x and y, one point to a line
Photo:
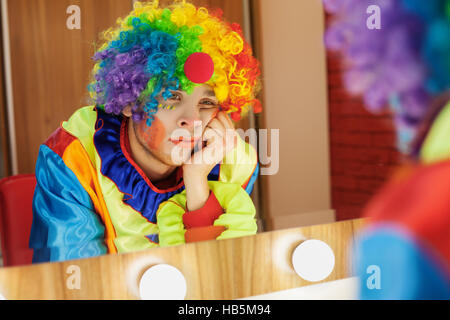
91	198
405	251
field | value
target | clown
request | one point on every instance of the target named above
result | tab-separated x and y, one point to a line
155	160
404	252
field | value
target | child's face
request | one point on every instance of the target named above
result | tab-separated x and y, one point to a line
178	125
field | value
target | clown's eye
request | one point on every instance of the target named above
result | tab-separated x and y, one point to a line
206	103
175	96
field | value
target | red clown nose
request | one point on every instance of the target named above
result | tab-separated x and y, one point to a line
199	67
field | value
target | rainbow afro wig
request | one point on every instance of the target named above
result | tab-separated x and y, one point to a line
405	64
146	55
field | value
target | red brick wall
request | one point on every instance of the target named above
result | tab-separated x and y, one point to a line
362	147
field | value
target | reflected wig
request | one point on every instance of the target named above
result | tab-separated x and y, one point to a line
404	64
144	57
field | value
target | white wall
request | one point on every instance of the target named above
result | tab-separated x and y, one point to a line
295	101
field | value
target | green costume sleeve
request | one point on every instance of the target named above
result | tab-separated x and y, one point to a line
436	146
238	219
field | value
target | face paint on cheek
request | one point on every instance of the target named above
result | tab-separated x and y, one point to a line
166	107
154	135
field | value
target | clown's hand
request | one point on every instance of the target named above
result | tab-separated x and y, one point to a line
219	138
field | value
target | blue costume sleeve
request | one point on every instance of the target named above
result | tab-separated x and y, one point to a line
65	225
393	265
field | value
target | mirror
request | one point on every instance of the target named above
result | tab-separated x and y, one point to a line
321	154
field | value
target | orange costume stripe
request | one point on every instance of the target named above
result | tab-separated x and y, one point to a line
203	233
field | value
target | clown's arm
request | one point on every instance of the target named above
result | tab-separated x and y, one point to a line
65	225
229	211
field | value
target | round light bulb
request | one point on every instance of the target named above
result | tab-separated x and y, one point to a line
162	282
313	260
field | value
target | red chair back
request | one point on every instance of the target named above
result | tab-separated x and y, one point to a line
16	216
